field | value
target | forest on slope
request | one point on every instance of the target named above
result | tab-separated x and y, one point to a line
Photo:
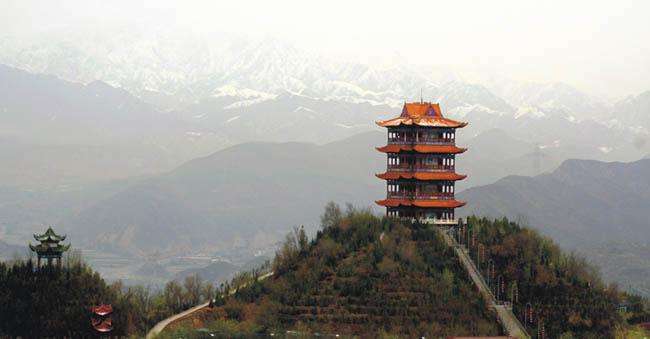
366	274
361	274
55	301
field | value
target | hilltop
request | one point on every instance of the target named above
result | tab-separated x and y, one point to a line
368	275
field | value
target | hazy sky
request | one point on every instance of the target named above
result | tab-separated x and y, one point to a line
600	47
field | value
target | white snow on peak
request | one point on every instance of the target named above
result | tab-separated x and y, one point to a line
233	119
302	108
554	144
245	93
605	149
245	103
352	88
529	111
462	111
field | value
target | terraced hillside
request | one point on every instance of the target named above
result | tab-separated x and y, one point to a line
370	276
361	275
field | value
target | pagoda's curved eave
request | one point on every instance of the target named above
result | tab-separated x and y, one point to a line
418	148
422	122
421	203
448	176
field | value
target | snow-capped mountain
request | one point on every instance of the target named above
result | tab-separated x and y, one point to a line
558	99
634	111
239	89
193	66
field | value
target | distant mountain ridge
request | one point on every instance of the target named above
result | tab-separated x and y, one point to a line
597	208
177	66
92	127
247	194
582	202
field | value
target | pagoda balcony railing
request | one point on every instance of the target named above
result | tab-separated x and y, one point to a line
421	168
423	141
441	221
420	196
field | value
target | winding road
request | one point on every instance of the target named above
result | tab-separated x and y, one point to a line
156	330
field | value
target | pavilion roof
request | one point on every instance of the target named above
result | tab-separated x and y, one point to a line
424	114
49	236
451	176
441	149
102	310
421	203
103	325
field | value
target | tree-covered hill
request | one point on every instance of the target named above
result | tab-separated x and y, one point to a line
548	289
55	301
363	274
360	275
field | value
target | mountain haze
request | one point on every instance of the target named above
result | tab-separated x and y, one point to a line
598	209
582	202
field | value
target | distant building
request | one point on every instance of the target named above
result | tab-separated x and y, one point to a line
421	165
101	318
50	246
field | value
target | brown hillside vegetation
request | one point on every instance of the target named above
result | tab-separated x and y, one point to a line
360	275
369	276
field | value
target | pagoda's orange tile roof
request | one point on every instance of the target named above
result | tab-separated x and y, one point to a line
424	114
446	149
451	176
421	203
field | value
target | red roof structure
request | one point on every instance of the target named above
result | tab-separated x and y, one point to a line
103	325
101	318
102	310
448	176
446	149
421	203
421	154
424	114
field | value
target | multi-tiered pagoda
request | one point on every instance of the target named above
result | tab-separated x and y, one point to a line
421	157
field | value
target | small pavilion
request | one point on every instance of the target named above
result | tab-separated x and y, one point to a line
49	247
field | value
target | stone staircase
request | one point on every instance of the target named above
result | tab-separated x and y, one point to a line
507	319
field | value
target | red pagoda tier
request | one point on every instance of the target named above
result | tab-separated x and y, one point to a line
421	173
